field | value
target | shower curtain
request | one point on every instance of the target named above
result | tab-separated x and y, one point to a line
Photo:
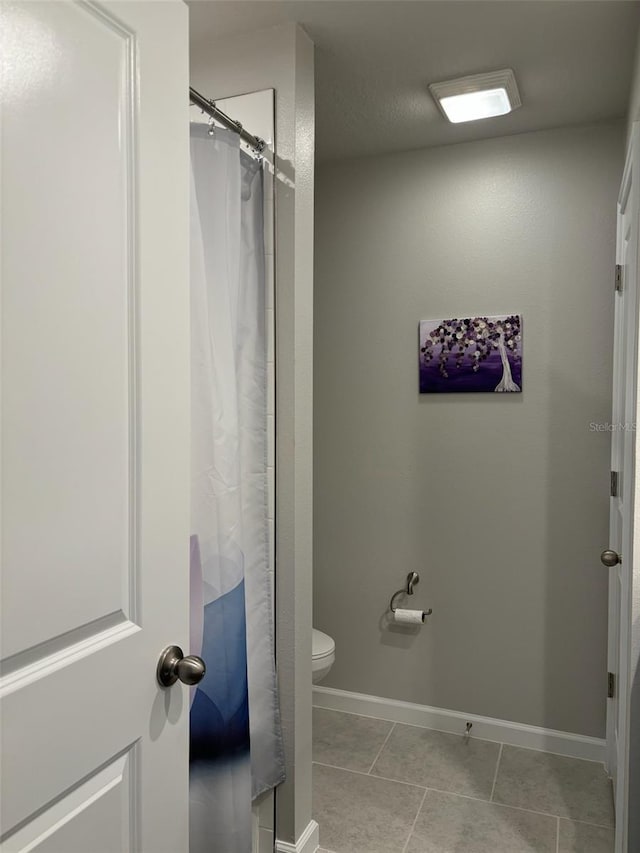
235	740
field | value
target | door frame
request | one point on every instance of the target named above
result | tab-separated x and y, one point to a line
619	641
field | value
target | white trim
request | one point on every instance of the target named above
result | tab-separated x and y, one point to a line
308	842
623	525
262	824
487	728
265	840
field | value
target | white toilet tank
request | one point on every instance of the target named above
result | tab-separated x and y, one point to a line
324	655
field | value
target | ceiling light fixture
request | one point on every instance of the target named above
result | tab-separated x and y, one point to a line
478	96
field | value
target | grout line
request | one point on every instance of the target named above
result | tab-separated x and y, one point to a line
366	716
507	806
364	773
464	796
495	775
557	835
587	823
381	748
489	803
415	820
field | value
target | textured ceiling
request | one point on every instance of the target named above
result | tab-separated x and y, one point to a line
374	59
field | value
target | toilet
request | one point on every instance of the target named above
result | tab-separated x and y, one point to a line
324	655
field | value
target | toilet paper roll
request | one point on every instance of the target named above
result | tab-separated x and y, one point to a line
408	617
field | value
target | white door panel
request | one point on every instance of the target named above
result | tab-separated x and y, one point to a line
97	808
95	433
69	326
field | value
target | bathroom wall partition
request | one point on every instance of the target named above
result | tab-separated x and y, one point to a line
282	58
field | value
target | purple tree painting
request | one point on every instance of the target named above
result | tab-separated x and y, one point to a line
471	354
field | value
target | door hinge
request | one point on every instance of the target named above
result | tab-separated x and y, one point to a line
618	278
611	685
614	484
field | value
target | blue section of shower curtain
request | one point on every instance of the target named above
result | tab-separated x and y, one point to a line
219	739
219	726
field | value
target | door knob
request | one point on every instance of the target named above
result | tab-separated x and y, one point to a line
173	665
610	558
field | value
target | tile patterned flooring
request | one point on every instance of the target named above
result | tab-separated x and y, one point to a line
382	787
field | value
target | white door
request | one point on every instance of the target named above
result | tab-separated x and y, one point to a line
622	502
95	432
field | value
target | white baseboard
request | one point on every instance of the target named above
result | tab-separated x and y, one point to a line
308	842
487	728
262	824
264	841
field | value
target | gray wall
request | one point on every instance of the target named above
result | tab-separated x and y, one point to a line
499	501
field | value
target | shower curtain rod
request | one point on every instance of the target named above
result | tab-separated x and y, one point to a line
210	108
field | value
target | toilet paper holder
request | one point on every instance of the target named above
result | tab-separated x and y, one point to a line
412	579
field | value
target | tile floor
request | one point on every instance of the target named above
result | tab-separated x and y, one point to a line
382	787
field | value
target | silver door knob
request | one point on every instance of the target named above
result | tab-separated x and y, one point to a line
610	558
173	665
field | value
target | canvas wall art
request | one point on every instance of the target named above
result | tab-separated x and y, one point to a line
471	354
